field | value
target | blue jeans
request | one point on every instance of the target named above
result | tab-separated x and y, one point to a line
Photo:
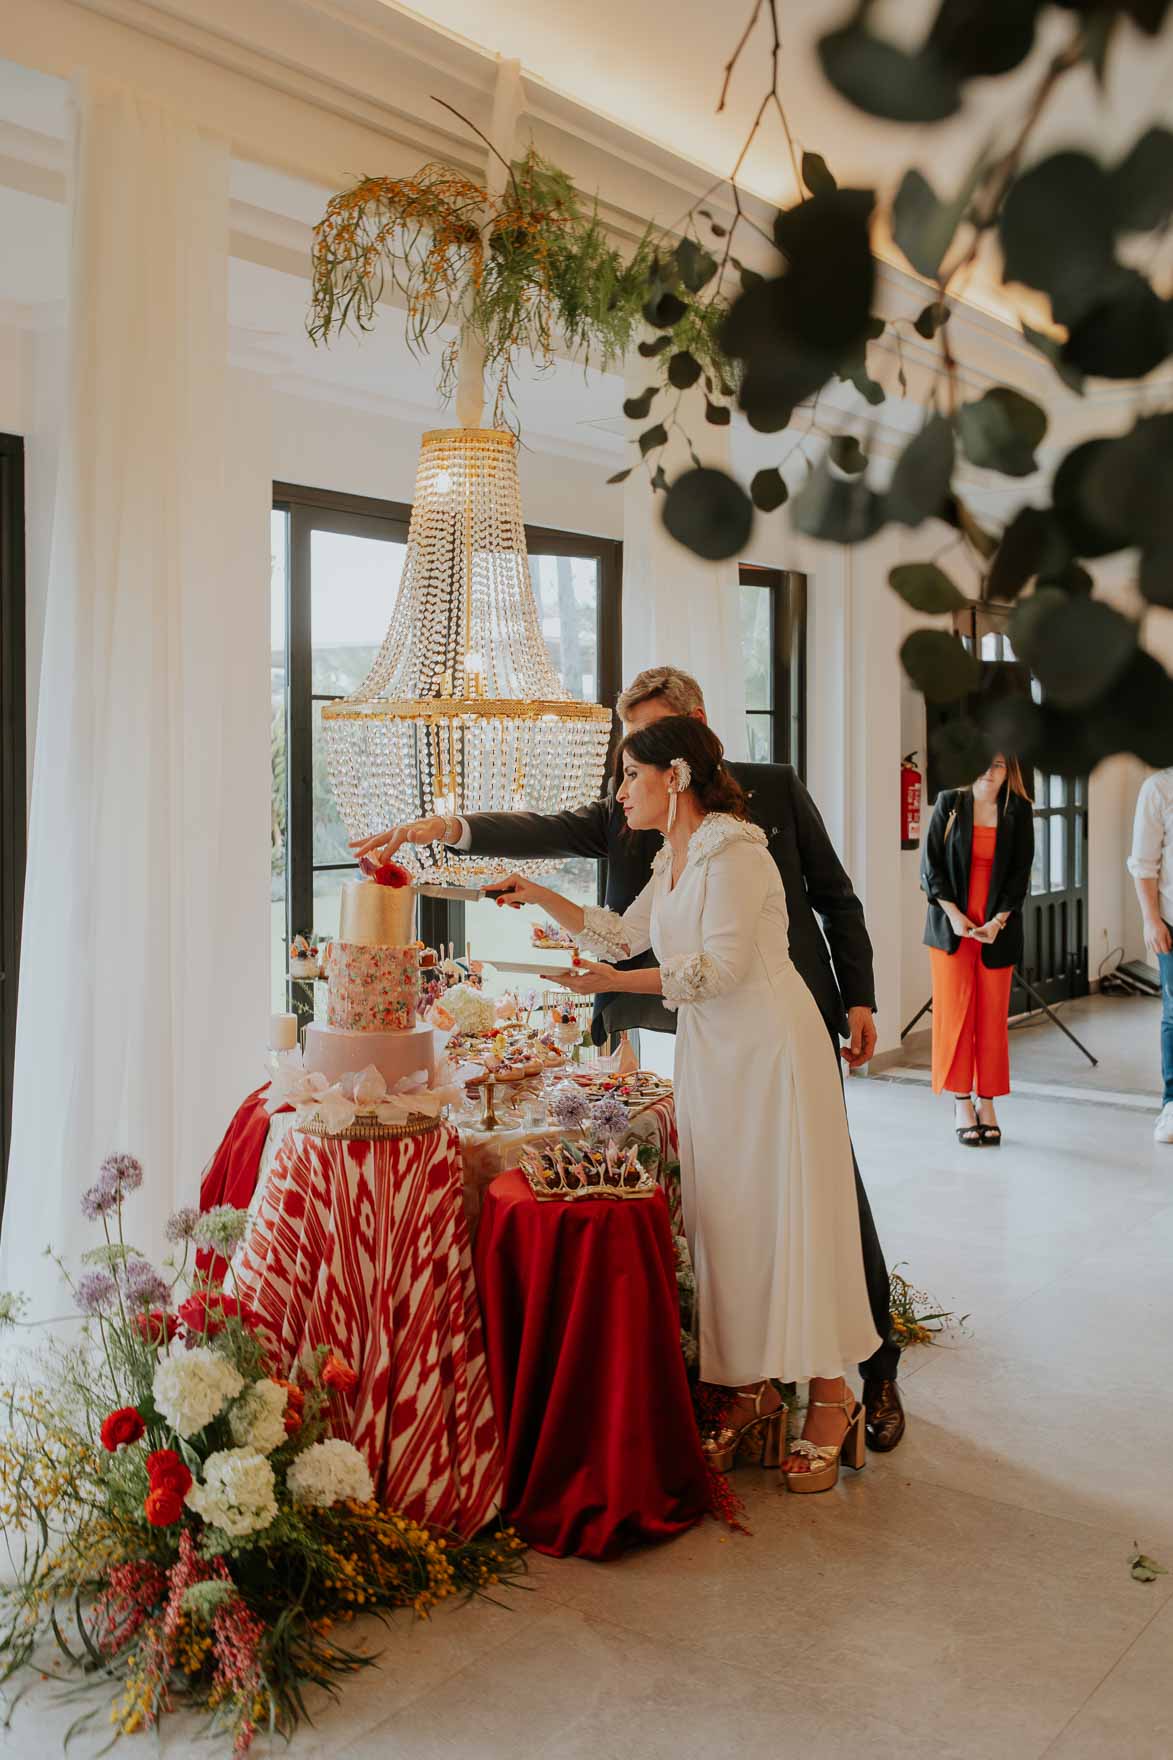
1165	961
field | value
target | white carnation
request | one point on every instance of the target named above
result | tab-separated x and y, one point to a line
257	1420
192	1387
329	1472
237	1493
471	1009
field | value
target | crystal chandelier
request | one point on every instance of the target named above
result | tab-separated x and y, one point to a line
462	711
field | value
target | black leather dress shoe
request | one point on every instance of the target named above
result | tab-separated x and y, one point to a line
885	1415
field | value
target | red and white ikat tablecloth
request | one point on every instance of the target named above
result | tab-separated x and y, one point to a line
362	1246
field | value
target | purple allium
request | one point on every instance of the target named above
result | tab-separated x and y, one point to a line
100	1198
610	1117
143	1285
95	1291
124	1170
569	1108
181	1225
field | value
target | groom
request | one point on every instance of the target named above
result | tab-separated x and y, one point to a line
840	980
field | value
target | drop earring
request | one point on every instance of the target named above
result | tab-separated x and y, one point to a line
672	799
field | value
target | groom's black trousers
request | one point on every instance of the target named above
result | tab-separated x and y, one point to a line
885	1362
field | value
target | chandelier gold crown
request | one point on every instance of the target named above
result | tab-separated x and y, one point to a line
462	710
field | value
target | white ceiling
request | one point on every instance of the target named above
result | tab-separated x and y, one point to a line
656	68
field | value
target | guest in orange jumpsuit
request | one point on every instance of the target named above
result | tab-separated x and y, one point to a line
976	871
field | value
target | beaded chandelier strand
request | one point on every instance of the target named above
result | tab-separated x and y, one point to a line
462	711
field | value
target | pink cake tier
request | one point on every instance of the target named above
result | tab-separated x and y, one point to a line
335	1052
372	989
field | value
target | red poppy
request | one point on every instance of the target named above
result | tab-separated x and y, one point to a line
167	1472
157	1327
163	1506
206	1311
121	1427
294	1405
337	1375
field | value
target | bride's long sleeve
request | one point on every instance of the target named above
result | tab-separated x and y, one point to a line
735	892
612	936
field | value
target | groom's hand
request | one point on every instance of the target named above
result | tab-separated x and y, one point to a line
859	1048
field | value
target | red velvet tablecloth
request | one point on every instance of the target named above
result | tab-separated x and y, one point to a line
582	1332
362	1246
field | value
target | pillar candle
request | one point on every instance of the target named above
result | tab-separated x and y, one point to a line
283	1032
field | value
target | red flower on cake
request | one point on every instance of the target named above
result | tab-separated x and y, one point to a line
337	1375
167	1472
121	1427
385	873
157	1327
207	1311
163	1507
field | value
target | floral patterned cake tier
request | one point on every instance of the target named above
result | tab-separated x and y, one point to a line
372	989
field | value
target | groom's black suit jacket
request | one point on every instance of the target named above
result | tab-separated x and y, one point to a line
812	874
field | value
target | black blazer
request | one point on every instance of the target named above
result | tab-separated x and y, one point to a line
944	871
812	874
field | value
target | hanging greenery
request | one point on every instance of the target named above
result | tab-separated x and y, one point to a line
526	272
1056	226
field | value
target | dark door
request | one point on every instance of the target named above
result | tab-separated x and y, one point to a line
1055	919
12	763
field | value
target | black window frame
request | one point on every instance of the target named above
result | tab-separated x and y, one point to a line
308	509
13	762
788	619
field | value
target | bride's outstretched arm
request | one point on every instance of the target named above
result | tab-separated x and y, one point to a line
517	890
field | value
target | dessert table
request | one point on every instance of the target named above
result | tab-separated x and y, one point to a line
359	1243
582	1334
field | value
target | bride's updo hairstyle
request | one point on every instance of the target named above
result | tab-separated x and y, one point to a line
683	736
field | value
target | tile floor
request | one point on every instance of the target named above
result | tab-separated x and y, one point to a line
967	1596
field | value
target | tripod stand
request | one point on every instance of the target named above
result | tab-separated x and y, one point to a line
1041	1007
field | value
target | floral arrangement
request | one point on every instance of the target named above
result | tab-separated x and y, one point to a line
916	1317
471	1009
184	1505
523	270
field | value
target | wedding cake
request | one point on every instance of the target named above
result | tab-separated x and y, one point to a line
373	986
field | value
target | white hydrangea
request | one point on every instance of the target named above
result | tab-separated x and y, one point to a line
257	1420
329	1472
238	1492
193	1387
471	1009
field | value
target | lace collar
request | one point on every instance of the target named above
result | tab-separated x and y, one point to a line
713	834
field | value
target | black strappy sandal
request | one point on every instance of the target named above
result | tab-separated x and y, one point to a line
968	1134
991	1133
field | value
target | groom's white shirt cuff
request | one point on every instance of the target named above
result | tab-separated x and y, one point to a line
465	838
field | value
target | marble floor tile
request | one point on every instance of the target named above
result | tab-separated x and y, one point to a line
1131	1712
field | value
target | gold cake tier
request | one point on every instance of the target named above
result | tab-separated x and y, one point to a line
375	916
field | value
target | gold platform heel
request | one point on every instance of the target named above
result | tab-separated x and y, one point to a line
760	1441
816	1467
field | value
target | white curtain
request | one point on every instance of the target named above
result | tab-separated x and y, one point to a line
678	610
143	978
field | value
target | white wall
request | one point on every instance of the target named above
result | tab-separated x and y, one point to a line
324	445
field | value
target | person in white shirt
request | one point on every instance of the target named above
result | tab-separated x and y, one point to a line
1151	867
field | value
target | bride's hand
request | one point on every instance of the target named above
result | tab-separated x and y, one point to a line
586	978
516	890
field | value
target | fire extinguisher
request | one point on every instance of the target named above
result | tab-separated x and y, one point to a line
910	785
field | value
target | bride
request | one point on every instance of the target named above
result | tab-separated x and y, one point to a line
765	1158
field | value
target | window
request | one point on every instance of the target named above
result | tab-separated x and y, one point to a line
337	562
12	763
773	646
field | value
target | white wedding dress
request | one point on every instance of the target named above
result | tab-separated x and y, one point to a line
765	1158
